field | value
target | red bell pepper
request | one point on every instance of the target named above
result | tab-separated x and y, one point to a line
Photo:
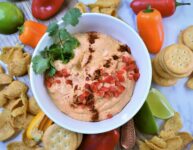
103	141
165	7
45	9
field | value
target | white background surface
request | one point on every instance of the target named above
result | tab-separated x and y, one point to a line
179	96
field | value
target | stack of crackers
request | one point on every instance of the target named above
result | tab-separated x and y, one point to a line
172	63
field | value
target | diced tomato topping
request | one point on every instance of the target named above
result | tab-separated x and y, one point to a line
117	93
62	73
120	77
136	70
130	76
118	83
121	88
126	59
112	89
120	71
136	76
94	86
100	93
69	82
109	79
83	95
107	95
104	89
109	116
48	83
57	81
87	86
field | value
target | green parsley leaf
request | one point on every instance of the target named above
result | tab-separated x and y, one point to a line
71	17
70	45
52	29
64	34
51	71
40	64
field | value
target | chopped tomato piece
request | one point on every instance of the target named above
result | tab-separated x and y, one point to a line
136	70
94	86
104	89
120	71
117	93
62	73
120	77
69	82
112	89
109	79
57	81
109	116
100	93
48	83
107	95
121	88
83	95
130	76
126	59
136	76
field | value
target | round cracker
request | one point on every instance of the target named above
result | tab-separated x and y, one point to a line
180	38
162	81
56	138
28	142
159	70
188	37
18	146
175	61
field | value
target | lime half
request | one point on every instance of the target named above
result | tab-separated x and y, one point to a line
145	121
159	105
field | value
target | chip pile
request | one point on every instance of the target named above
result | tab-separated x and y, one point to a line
108	7
169	137
172	63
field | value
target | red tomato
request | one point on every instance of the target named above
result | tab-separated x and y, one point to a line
103	141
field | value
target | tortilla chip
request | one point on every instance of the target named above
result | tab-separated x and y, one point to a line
3	99
174	123
4	117
158	142
7	131
152	145
18	122
174	143
166	134
191	147
142	145
186	138
33	107
5	79
18	146
28	120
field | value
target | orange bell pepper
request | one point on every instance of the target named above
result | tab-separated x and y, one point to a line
150	28
31	32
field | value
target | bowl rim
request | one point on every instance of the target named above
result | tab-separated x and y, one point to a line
119	123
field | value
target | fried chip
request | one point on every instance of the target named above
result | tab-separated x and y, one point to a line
191	147
158	142
18	122
18	146
1	69
28	142
4	117
174	143
81	7
5	79
3	99
7	131
152	145
95	9
33	107
109	11
142	145
105	3
166	134
15	89
174	123
186	138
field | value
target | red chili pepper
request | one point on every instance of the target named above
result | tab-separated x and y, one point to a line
165	7
103	141
45	9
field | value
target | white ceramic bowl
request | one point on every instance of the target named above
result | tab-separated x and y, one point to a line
120	31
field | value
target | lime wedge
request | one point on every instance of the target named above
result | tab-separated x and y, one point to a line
145	121
159	105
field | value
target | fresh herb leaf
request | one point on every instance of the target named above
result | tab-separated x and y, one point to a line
52	28
71	17
40	64
51	71
63	47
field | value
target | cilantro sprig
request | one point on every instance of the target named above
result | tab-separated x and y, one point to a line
63	45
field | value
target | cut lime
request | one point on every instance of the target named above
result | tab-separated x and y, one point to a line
159	105
145	121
